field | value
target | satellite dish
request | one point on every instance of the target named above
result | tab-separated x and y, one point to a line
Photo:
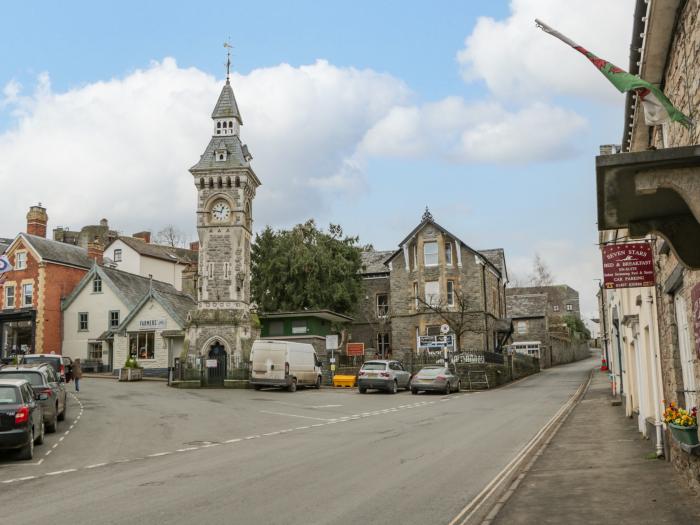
444	329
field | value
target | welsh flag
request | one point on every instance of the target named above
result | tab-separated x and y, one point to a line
658	109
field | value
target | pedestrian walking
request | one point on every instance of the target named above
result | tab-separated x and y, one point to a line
77	374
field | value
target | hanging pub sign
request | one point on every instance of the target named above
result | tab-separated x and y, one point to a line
628	265
695	297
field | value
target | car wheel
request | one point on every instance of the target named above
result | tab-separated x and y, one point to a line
292	386
363	389
51	427
447	389
414	391
257	387
40	437
27	452
394	387
459	386
408	385
318	383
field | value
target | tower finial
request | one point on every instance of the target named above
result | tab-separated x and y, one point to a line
427	216
228	47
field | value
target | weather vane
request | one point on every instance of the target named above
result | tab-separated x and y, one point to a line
228	47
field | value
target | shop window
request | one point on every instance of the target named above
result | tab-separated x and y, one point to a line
430	253
114	318
97	284
298	327
9	296
20	260
382	304
142	345
27	294
82	321
276	328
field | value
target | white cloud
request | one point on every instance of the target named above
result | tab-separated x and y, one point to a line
121	148
456	131
517	60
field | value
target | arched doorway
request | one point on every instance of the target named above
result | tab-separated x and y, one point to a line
216	374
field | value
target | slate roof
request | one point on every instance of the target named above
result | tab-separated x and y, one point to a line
497	257
160	251
133	287
237	155
526	305
4	244
226	105
59	252
373	262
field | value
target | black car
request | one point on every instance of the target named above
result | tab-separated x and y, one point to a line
21	417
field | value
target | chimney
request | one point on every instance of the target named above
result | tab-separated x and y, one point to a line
37	220
104	223
194	246
144	236
96	251
610	149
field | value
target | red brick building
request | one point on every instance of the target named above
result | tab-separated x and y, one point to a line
43	273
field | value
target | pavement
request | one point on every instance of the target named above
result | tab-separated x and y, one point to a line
597	470
142	452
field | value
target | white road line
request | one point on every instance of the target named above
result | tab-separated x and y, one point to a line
26	478
125	460
158	454
57	472
96	465
209	445
54	445
9	481
274	433
235	440
315	425
62	438
252	437
40	462
48	452
301	428
296	415
186	449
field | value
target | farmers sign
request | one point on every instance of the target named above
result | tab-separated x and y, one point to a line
628	266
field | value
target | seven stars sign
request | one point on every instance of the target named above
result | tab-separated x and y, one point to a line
628	266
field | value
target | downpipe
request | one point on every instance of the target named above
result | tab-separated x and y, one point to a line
657	410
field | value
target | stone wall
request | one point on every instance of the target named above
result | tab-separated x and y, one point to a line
367	324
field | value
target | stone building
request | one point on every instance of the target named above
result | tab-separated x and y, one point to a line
86	234
432	268
220	328
651	192
562	300
530	326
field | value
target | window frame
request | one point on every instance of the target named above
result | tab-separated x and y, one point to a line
426	254
26	303
6	302
448	254
569	307
110	321
83	324
147	335
450	297
97	284
555	307
383	344
23	259
521	327
432	299
415	294
382	310
275	332
117	255
297	330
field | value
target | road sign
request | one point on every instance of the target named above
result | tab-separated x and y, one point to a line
628	265
332	342
332	360
444	329
355	349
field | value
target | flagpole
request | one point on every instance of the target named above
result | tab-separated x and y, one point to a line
544	27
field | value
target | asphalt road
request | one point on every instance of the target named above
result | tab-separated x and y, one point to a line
145	453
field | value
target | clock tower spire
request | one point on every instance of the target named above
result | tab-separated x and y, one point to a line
220	328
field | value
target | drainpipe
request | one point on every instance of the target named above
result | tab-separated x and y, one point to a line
657	410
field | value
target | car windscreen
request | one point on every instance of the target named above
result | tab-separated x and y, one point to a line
374	366
431	372
9	395
34	378
53	361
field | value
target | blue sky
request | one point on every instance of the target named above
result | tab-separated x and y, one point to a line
384	108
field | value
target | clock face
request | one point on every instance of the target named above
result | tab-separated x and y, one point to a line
220	211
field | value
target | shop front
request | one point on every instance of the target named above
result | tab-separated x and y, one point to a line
17	332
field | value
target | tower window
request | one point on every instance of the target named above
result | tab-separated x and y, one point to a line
238	182
230	124
221	157
224	125
218	124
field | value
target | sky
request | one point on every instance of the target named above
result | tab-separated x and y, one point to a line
357	113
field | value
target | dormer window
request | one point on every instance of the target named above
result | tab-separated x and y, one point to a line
221	155
97	284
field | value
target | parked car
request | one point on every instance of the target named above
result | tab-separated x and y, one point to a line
55	360
435	379
285	364
21	417
383	375
68	367
44	380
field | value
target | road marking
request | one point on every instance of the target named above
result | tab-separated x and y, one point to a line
325	406
301	428
186	449
54	445
314	425
57	472
26	478
62	438
234	440
295	415
252	437
48	452
95	465
158	454
271	433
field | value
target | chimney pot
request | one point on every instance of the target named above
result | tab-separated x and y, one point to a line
96	251
145	236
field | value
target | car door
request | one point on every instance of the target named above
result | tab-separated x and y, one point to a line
58	389
36	413
403	375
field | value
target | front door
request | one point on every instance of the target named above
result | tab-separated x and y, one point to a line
217	356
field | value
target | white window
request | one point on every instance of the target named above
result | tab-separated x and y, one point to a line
569	307
27	294
555	307
450	293
521	327
113	318
382	305
298	327
82	321
117	255
9	296
448	253
20	260
415	293
432	293
687	357
97	284
430	253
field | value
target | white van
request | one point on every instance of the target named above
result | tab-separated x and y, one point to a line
285	364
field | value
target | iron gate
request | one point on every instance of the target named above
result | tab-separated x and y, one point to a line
216	374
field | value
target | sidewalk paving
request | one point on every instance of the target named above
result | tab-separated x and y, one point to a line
596	471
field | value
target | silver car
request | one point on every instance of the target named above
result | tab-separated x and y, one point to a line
435	379
383	375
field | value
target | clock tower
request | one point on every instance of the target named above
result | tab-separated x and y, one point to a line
220	327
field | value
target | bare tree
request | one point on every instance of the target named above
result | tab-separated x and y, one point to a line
171	236
541	275
457	316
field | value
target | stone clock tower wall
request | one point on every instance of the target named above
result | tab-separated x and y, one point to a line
226	186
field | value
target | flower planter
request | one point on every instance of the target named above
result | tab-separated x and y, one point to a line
130	374
685	435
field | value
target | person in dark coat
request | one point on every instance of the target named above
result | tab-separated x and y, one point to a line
77	374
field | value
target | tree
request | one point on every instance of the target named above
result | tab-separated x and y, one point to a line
457	316
171	236
540	276
305	268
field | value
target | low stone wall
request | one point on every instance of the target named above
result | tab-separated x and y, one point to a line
523	366
562	350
